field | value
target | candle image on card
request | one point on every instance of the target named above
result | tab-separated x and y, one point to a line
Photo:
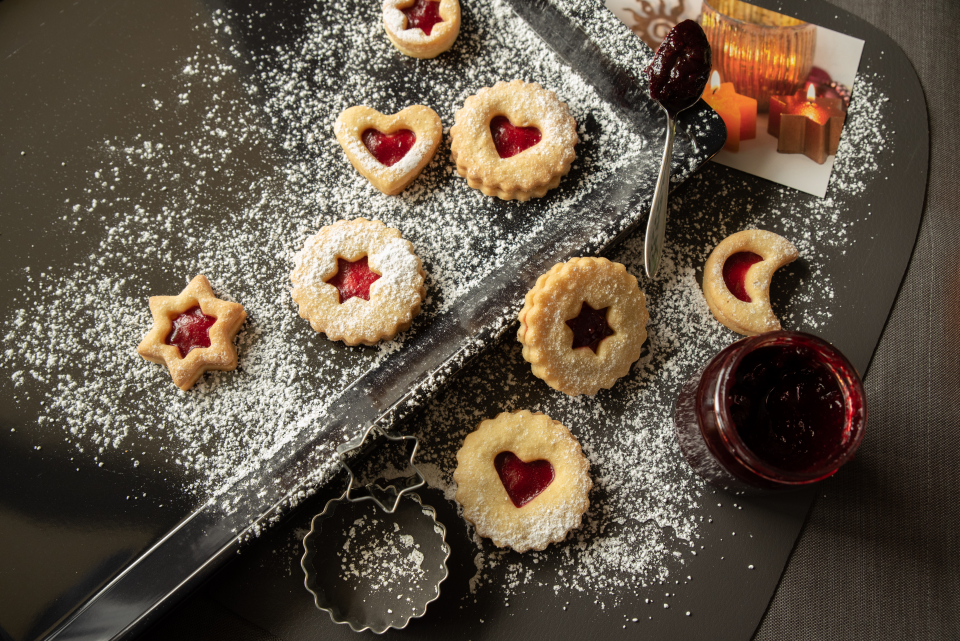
765	63
739	113
806	124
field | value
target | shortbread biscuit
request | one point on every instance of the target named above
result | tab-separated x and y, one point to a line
753	315
392	279
402	17
550	313
356	123
529	172
192	333
559	500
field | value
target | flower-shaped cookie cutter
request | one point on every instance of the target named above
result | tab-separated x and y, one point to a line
370	606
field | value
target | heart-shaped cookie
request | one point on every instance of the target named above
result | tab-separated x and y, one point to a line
523	481
736	279
389	151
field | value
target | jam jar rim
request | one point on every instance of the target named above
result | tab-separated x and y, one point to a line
850	384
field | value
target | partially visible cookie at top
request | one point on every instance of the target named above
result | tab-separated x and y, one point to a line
737	276
583	325
514	140
421	28
522	480
358	282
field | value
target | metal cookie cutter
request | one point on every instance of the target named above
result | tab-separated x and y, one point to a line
375	568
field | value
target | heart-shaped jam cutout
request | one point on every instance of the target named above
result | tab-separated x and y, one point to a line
510	140
191	330
388	148
590	327
353	279
423	15
523	481
735	273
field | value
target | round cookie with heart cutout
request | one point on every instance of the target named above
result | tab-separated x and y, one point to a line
514	140
522	480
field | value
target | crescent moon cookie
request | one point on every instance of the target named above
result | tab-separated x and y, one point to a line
514	140
192	333
583	325
389	151
358	282
736	279
522	480
421	28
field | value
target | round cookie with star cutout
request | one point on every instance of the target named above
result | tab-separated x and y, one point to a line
583	325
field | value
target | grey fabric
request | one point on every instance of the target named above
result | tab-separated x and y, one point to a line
878	558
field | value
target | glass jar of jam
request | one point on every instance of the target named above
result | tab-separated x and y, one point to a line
774	411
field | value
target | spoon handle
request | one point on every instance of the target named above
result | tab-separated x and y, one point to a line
657	225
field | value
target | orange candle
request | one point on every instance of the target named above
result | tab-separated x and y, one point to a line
806	124
739	113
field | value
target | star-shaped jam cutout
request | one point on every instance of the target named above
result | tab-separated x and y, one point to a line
423	15
191	330
590	327
353	279
192	333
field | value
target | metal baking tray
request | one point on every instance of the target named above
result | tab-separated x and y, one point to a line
76	78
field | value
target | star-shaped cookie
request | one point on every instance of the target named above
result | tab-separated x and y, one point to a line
160	346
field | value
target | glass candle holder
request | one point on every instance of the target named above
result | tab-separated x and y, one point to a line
761	52
770	412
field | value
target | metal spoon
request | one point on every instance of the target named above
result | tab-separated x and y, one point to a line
678	75
657	225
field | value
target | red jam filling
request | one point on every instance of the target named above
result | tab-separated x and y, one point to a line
353	279
191	329
788	407
388	149
423	15
510	140
523	481
680	68
590	327
735	273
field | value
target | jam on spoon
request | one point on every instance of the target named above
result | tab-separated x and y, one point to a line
678	74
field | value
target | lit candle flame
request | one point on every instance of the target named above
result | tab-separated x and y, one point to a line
715	81
811	92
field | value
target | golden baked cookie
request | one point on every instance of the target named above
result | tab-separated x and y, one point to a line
192	333
358	282
583	325
522	480
389	151
421	28
736	279
514	140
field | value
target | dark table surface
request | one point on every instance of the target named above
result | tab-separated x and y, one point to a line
878	556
